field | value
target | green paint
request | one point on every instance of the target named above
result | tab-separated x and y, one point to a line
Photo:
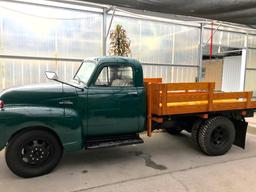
74	114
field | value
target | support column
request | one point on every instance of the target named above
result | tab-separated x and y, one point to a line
200	54
104	31
244	60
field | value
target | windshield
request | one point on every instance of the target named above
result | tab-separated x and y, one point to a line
85	71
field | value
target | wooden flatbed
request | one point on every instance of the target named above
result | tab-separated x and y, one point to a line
165	99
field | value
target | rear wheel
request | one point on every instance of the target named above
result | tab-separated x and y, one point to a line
195	131
33	153
216	135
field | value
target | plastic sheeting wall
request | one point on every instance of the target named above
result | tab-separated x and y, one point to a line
161	43
225	38
170	74
25	30
16	72
158	43
60	33
63	33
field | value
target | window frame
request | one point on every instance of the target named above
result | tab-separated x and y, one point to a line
99	70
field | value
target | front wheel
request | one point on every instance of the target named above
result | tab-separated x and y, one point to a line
33	153
216	135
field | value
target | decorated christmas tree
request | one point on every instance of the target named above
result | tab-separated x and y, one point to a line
119	42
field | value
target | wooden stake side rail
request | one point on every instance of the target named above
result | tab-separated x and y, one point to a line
152	80
150	103
188	98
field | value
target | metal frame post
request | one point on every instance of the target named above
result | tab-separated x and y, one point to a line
200	54
104	30
111	21
246	60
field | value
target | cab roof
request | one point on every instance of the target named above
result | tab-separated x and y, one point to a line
122	60
115	59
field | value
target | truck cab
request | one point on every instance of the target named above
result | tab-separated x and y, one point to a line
114	98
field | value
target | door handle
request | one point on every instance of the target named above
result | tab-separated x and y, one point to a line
133	93
66	102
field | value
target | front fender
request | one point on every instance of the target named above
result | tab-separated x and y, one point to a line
68	129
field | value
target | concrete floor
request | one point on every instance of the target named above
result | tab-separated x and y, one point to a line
162	163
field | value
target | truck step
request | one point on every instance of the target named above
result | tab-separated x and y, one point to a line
113	141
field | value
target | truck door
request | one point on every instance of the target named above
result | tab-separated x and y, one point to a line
112	102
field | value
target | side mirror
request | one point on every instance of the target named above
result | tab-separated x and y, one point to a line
51	75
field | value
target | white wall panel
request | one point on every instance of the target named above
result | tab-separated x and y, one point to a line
15	72
252	41
251	58
250	80
232	79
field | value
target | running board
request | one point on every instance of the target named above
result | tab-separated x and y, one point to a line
112	141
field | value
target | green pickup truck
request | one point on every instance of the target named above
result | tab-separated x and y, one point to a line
106	104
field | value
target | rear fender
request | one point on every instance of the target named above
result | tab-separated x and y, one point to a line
241	128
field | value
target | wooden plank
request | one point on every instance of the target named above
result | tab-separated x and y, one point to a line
153	80
248	99
164	98
229	106
156	97
186	109
210	96
162	102
182	97
187	86
186	103
149	111
253	104
231	95
189	109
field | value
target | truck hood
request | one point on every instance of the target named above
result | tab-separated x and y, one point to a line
39	94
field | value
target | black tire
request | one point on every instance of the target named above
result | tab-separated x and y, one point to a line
174	130
216	135
33	153
195	131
